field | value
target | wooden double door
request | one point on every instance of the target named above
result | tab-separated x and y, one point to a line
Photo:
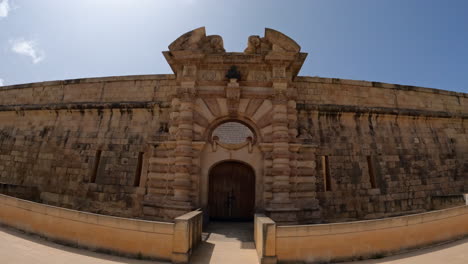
231	192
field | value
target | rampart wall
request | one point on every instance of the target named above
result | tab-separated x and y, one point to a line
389	148
51	133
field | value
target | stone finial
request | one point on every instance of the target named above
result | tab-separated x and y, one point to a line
197	40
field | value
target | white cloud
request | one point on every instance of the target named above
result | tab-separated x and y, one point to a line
28	48
1	82
4	8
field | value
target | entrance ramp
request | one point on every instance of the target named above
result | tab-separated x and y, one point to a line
226	243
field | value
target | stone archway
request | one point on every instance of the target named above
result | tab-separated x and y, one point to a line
231	139
231	191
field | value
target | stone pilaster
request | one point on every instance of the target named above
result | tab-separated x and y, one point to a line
159	181
280	153
281	207
183	148
173	117
292	120
197	147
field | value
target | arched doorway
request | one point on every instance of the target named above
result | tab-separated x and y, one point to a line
231	191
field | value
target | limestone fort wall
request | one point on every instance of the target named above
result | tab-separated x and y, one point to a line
414	137
322	150
412	141
52	131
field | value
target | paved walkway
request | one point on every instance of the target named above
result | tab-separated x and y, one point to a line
226	243
222	244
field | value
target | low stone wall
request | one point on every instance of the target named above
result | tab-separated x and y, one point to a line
123	236
187	235
264	236
363	239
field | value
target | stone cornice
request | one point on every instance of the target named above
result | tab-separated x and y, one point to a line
360	83
85	106
152	77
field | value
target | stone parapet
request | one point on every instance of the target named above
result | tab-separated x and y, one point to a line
155	240
264	237
357	240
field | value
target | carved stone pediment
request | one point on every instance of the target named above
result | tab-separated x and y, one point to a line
197	57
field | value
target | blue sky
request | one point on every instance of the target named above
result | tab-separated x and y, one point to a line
411	42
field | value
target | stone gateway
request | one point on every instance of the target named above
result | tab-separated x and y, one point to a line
234	134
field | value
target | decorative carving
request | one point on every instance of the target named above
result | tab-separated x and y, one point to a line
253	45
196	40
209	75
273	41
260	76
257	45
189	71
250	144
279	72
233	96
213	44
271	50
215	143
